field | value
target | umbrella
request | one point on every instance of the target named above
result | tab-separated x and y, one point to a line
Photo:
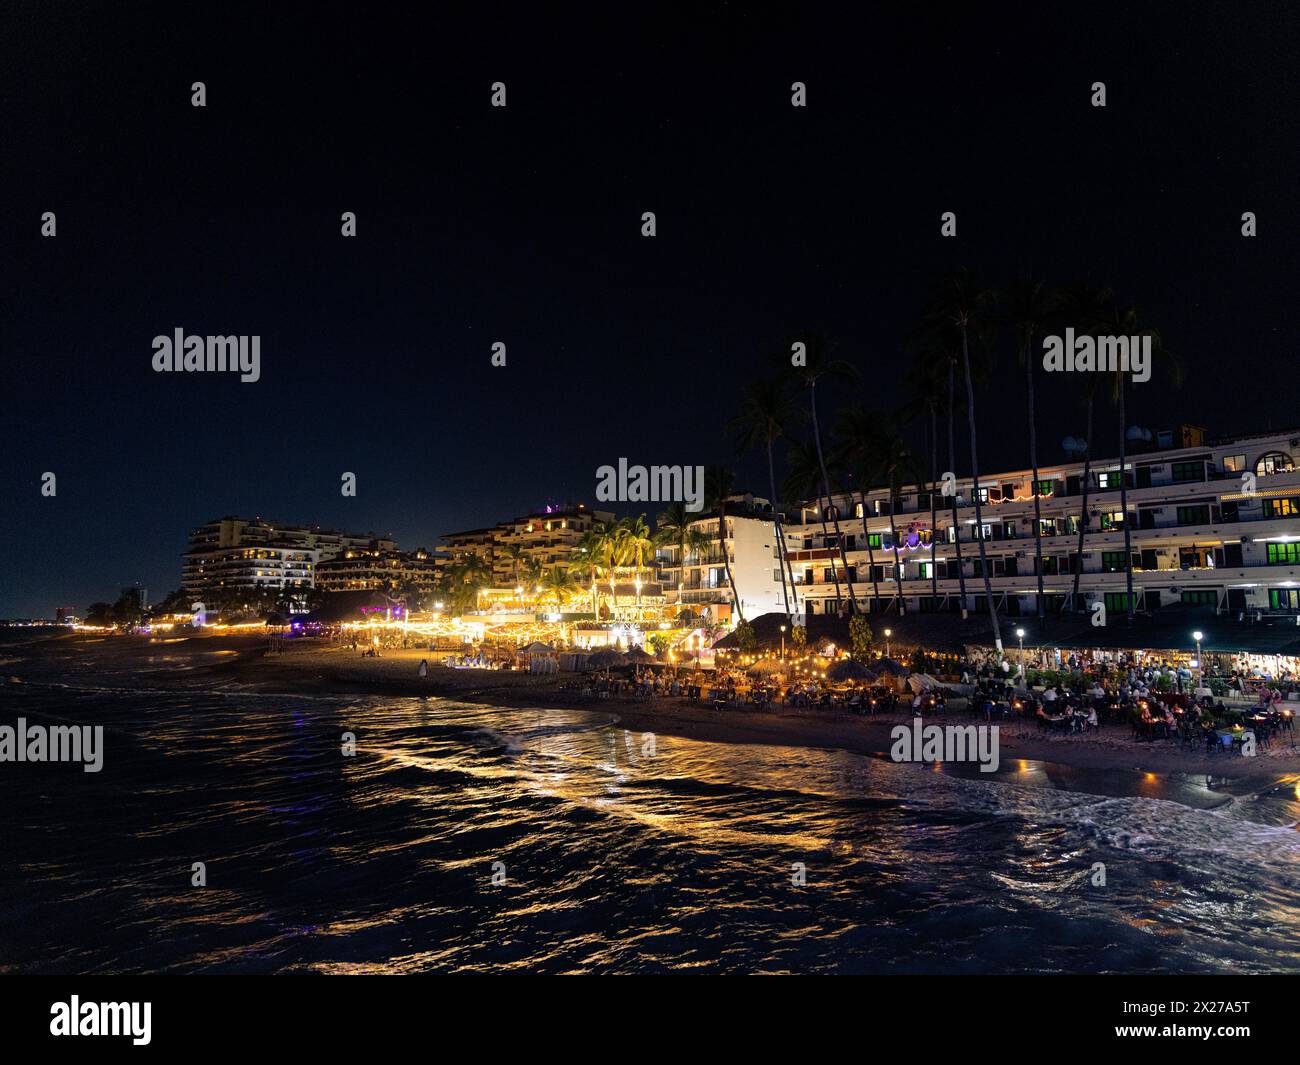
635	654
767	665
847	669
537	648
604	659
888	665
921	682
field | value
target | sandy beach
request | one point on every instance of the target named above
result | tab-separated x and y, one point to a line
308	667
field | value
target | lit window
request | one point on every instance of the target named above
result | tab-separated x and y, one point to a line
1274	462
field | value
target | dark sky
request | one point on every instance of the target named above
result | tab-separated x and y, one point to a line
523	225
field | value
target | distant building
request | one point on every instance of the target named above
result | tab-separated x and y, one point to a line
460	545
362	568
545	537
65	615
141	595
255	553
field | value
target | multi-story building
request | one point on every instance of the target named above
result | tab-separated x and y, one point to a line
1212	524
700	585
255	553
545	537
480	542
360	568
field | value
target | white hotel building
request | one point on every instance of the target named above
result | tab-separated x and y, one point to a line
1198	535
701	585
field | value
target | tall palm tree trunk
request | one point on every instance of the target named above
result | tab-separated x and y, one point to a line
952	465
1123	506
975	477
871	551
776	531
726	560
835	512
826	535
1083	510
789	571
1033	460
893	533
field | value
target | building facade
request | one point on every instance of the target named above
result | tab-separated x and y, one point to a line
1212	524
360	568
700	585
541	539
234	552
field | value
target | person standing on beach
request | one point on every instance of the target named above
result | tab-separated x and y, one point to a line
424	668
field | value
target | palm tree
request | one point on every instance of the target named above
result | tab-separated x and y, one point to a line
940	343
469	576
635	550
1028	306
1087	309
516	554
529	576
584	562
718	482
609	550
856	434
928	390
804	481
898	468
559	584
925	382
820	367
965	303
1126	322
674	528
765	412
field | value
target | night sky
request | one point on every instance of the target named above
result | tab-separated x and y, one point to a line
522	225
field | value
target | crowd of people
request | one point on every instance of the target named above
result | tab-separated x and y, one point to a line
1158	700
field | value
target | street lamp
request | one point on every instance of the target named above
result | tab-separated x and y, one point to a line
1198	636
1020	635
782	643
888	634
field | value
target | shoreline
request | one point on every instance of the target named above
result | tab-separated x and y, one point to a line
239	663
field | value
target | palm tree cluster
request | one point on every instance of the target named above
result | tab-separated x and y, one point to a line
954	349
610	551
464	579
857	453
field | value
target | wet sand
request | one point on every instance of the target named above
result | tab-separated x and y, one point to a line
240	662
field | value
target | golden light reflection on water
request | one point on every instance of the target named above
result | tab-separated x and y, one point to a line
561	767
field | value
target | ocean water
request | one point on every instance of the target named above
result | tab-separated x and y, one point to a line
470	838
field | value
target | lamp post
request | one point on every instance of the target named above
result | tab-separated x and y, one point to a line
782	643
1198	636
888	651
1020	636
